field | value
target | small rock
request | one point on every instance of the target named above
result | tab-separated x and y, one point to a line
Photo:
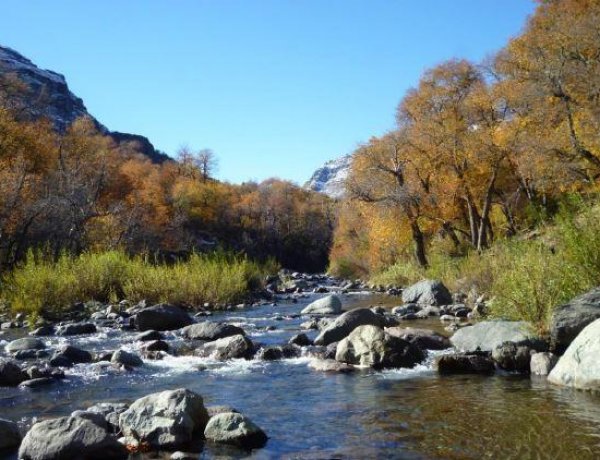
542	363
126	359
235	429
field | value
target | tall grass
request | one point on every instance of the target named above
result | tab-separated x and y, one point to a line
526	279
41	283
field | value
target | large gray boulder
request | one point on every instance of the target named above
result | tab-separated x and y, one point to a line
161	317
11	374
344	324
71	438
371	346
110	411
10	437
25	343
488	335
427	292
235	429
168	419
234	347
209	331
425	339
328	305
579	367
569	320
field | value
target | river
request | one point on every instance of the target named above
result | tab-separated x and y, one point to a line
405	413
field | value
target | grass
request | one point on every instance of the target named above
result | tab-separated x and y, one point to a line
525	279
43	284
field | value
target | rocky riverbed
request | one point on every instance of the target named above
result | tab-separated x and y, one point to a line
356	374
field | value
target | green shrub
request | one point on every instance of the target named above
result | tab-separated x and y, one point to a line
41	283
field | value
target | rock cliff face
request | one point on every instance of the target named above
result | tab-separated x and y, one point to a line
48	95
329	179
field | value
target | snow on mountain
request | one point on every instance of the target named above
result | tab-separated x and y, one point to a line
330	178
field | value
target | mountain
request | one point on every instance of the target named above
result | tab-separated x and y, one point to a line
329	178
48	95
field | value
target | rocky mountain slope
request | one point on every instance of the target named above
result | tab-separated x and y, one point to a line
329	179
48	95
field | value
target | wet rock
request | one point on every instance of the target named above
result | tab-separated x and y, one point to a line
425	339
168	420
110	412
512	357
235	429
183	456
427	292
270	353
328	305
10	437
126	358
312	324
214	410
569	320
161	317
488	335
30	354
301	340
75	355
405	309
210	331
60	360
70	438
77	329
464	363
43	331
344	324
379	310
542	363
148	336
330	365
36	383
25	343
11	374
371	346
156	345
235	347
579	367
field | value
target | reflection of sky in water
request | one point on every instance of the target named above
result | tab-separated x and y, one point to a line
400	413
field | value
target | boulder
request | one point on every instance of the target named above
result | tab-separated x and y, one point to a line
161	317
111	413
301	340
10	437
542	363
328	305
464	363
25	343
488	335
371	346
569	320
71	438
214	410
330	365
427	292
210	331
75	355
168	420
11	374
37	382
148	336
425	339
512	357
126	359
76	329
235	429
579	367
156	345
234	347
344	324
43	331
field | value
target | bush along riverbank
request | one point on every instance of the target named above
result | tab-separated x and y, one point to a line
346	341
54	287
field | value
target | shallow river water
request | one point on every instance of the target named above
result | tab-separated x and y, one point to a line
407	413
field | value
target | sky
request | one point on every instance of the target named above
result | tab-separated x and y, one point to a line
274	87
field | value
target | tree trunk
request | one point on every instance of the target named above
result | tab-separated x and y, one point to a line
419	240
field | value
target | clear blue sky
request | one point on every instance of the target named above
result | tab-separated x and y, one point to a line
274	87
